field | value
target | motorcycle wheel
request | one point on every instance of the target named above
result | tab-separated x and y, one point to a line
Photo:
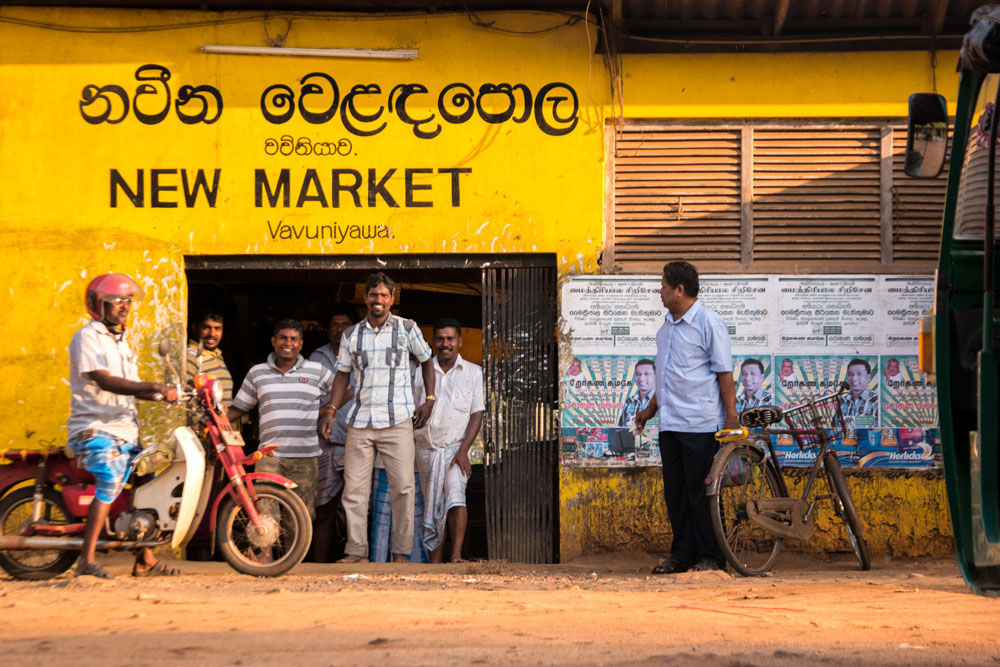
16	509
287	535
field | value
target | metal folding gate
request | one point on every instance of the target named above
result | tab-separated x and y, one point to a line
519	431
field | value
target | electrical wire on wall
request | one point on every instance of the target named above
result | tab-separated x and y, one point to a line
613	61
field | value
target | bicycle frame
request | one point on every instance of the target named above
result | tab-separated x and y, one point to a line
792	517
749	496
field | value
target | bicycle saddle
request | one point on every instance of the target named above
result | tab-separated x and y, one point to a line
761	416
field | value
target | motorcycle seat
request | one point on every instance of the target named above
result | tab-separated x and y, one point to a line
82	475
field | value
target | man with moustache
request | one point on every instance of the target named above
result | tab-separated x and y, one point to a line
204	355
645	384
442	446
377	350
695	397
289	391
752	379
103	423
862	401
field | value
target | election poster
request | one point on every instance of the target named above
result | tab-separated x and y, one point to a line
793	338
600	397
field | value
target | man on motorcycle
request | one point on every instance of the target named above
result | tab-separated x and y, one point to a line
103	426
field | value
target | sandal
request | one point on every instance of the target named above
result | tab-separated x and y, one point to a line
158	570
669	566
93	570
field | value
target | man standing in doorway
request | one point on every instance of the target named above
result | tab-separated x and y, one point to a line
695	396
443	445
103	424
204	355
382	419
645	385
289	391
330	528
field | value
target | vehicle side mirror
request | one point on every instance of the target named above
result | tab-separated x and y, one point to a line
926	135
166	345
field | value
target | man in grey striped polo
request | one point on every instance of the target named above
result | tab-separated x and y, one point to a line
383	416
289	391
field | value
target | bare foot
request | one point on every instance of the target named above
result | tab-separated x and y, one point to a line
351	558
400	558
459	560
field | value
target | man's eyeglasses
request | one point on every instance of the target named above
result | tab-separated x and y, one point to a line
119	300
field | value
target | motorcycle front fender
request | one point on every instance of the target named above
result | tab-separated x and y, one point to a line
229	491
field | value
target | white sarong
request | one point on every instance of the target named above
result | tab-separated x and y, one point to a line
444	488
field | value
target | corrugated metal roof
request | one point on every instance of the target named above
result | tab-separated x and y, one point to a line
677	25
792	24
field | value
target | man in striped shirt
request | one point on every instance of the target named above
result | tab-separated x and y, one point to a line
383	415
289	391
204	355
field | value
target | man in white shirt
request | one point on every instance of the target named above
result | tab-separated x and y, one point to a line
442	446
103	423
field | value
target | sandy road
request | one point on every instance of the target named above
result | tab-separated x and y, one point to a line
603	609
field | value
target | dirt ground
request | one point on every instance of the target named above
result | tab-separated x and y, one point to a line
597	610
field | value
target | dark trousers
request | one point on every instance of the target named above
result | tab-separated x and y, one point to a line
687	460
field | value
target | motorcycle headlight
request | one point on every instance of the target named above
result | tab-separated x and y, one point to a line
217	392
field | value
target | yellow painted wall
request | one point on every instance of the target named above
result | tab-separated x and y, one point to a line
905	513
527	191
785	85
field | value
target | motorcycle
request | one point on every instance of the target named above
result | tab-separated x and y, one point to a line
257	522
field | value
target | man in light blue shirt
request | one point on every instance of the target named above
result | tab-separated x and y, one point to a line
695	397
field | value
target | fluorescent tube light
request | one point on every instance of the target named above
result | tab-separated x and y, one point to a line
377	54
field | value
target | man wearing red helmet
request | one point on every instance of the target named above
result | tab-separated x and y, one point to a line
103	426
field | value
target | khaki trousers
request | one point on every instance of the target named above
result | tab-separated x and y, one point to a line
395	444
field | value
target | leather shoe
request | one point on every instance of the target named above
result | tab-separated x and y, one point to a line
670	566
707	564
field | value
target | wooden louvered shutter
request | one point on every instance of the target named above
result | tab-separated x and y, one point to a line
767	195
816	194
676	194
917	207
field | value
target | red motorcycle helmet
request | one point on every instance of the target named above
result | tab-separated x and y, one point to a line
107	287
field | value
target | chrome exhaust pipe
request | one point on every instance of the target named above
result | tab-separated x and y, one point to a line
10	542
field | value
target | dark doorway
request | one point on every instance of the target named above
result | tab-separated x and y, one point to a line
512	498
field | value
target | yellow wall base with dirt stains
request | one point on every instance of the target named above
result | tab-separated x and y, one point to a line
905	513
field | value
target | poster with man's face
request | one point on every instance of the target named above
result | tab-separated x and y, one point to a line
909	399
861	401
601	395
752	375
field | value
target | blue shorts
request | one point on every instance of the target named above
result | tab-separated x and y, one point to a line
107	458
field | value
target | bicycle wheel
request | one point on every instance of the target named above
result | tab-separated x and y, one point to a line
743	477
843	505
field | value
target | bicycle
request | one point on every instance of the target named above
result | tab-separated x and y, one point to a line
752	511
